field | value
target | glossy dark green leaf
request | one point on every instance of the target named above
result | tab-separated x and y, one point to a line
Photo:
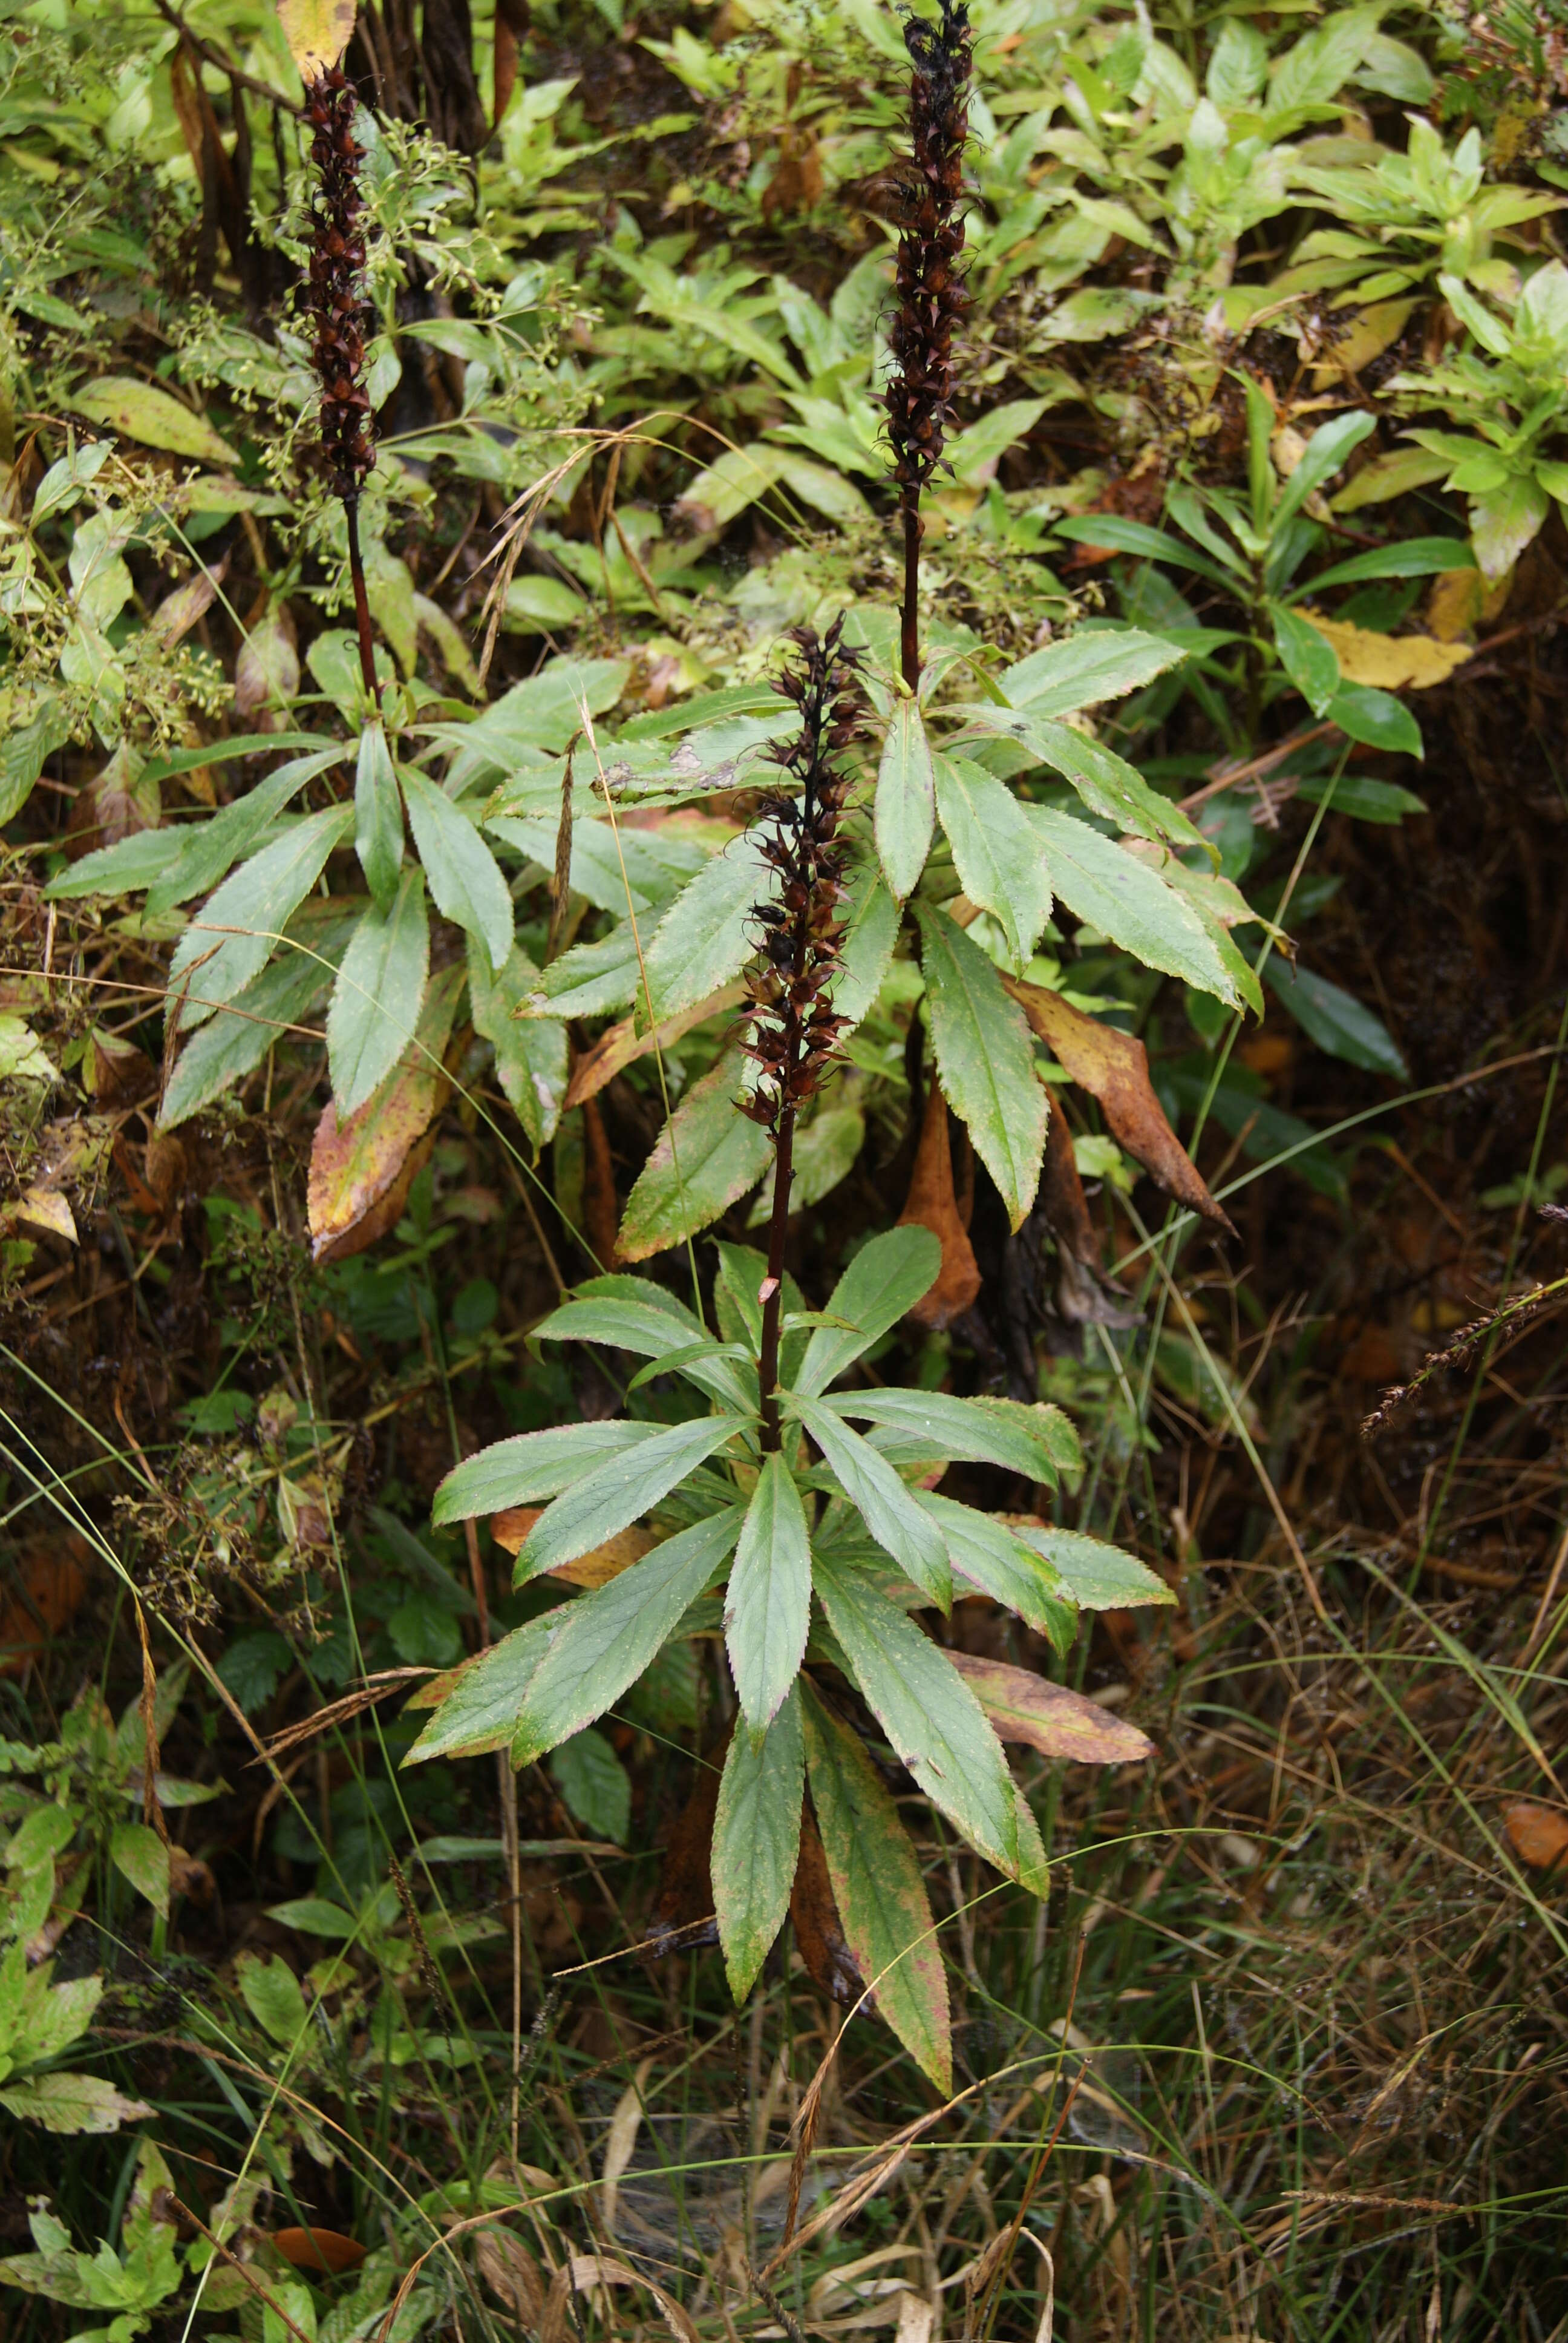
1376	719
767	1609
1336	1021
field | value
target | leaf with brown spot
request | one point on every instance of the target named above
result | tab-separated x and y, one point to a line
1538	1835
319	2250
1030	1709
361	1170
932	1203
510	1529
1113	1067
814	1916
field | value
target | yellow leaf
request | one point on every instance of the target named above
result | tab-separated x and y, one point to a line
317	32
45	1208
1370	333
140	410
1461	600
1390	662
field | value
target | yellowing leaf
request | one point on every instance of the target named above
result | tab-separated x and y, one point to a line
317	32
1046	1716
1389	662
137	410
361	1165
44	1208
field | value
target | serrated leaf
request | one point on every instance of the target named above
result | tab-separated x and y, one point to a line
377	814
480	1710
999	861
988	1554
704	938
634	1321
375	1008
707	1156
906	803
871	919
767	1609
1108	889
614	1494
140	411
66	2104
880	1895
1108	785
1007	1432
464	878
533	1466
606	1638
884	1281
208	848
757	1841
878	1496
1098	1576
358	1162
986	1060
1042	1715
1092	665
532	1053
239	924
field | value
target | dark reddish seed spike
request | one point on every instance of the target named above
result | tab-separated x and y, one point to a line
336	296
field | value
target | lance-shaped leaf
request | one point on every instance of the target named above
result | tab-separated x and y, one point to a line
999	858
935	1725
532	1466
633	1321
875	1876
1108	785
531	1052
1033	1440
480	1711
884	1281
986	1553
1030	1709
757	1841
1095	664
208	848
704	937
614	1494
239	924
906	807
361	1164
465	877
880	1497
767	1609
608	1638
707	1156
986	1060
373	1013
590	980
377	814
1110	890
1113	1067
1098	1576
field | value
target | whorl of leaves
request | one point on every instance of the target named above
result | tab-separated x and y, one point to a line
335	294
931	292
793	1031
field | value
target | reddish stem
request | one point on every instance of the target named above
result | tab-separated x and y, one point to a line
773	1291
910	632
361	601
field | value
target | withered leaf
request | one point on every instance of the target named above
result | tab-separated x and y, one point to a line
1042	1715
932	1203
683	1915
361	1169
319	2249
814	1916
603	1563
1538	1835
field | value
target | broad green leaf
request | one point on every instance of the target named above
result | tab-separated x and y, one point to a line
1108	889
1121	536
986	1060
1307	657
480	1712
768	1608
997	1560
239	924
906	807
1106	782
634	1321
1336	1021
138	410
377	814
884	1281
877	1886
613	1494
532	1466
464	878
592	979
871	932
707	1156
24	753
1094	664
934	1723
757	1841
594	1786
880	1497
531	1052
143	1856
704	937
1315	68
208	848
1375	717
1098	1576
999	861
1007	1432
539	715
375	1006
272	1994
606	1638
973	452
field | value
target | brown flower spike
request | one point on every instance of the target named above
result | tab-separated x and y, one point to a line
931	296
337	303
793	1031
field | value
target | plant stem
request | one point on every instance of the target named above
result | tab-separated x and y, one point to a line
773	1290
361	600
910	633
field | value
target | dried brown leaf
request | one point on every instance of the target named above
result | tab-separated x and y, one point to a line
932	1203
814	1916
1538	1835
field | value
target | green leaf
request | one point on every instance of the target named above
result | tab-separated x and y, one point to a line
1503	521
1106	782
723	491
1110	890
884	1281
606	1638
594	1787
703	940
480	1712
132	863
239	1036
66	2104
24	753
1336	1021
1000	861
1415	557
906	806
239	924
466	881
532	1466
707	1156
1318	65
880	1497
137	410
375	1005
531	1052
1122	536
757	1841
1325	451
935	1725
871	919
377	814
253	1666
142	1856
1098	1576
997	1560
613	1494
880	1895
208	848
1375	717
1092	665
767	1609
1007	1432
986	1060
623	1313
273	1997
1307	657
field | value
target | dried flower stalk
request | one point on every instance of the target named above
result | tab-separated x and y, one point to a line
336	302
931	296
792	1028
